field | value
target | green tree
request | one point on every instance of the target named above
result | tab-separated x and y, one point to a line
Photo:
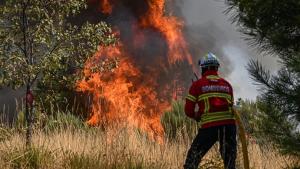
274	26
249	112
36	38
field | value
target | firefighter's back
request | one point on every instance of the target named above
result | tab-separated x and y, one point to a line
216	100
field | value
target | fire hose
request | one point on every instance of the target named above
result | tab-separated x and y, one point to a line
242	136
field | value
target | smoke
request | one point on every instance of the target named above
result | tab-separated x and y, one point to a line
210	29
208	38
203	34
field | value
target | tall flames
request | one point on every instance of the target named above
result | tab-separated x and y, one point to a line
140	87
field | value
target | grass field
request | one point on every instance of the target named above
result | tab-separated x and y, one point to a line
65	141
114	149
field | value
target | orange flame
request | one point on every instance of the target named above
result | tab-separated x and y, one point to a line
117	99
170	27
125	95
106	7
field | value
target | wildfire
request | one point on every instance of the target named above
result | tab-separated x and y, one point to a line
131	92
170	27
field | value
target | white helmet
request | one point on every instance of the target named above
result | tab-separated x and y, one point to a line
209	60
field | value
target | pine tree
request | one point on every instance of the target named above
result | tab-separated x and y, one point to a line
274	27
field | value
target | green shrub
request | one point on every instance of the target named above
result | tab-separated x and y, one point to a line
175	122
61	121
20	121
56	121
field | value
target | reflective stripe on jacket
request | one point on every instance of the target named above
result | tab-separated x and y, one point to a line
214	97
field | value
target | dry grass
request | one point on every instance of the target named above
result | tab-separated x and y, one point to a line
114	149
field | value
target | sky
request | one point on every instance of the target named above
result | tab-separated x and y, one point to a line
236	49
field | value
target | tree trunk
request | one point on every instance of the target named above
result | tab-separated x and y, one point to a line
28	56
28	116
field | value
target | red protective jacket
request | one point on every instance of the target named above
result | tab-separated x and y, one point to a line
214	97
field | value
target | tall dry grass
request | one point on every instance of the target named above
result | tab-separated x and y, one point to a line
115	149
64	141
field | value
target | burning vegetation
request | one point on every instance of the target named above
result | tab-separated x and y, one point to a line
147	69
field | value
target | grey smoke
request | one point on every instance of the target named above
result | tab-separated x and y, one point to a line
208	26
208	38
206	12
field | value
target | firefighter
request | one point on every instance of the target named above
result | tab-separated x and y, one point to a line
214	97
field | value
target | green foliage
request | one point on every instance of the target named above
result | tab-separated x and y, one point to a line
20	120
175	122
271	24
249	114
39	43
279	107
57	119
62	121
36	39
281	91
274	127
275	27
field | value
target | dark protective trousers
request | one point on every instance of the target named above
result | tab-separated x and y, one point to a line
206	138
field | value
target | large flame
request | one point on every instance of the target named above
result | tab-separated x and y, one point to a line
170	27
128	95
